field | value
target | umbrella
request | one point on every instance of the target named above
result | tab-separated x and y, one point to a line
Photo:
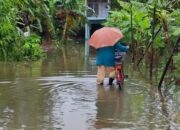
106	36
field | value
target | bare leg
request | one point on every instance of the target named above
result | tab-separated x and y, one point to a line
112	74
101	71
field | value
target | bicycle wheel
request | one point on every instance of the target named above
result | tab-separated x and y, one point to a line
119	79
120	86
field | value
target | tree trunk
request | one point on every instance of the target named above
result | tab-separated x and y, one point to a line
151	63
132	37
149	45
166	34
167	65
64	35
153	24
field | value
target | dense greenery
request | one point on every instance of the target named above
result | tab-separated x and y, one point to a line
151	28
14	45
142	18
24	21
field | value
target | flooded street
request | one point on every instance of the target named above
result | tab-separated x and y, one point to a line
60	93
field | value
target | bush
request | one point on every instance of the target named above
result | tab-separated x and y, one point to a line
30	49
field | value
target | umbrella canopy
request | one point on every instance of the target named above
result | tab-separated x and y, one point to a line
106	36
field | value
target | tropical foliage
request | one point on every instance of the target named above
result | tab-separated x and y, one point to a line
40	19
70	17
11	33
151	28
147	20
143	18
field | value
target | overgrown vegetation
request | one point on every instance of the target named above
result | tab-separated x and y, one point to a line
24	24
151	28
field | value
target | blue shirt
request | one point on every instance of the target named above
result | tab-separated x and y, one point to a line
105	55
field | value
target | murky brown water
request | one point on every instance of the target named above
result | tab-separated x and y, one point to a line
60	93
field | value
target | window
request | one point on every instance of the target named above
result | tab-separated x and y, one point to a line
95	7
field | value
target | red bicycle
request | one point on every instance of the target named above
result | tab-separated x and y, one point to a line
119	57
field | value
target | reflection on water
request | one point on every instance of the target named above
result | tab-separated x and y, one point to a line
60	93
109	104
72	101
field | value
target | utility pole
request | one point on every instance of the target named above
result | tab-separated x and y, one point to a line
87	34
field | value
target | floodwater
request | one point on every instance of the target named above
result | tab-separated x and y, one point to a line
60	93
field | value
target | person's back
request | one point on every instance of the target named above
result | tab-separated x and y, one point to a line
106	62
105	56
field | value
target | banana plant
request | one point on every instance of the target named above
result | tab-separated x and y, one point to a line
148	19
12	37
40	17
122	20
72	12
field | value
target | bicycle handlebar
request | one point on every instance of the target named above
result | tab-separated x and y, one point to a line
119	56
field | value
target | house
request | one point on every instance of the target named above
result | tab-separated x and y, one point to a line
96	13
98	9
